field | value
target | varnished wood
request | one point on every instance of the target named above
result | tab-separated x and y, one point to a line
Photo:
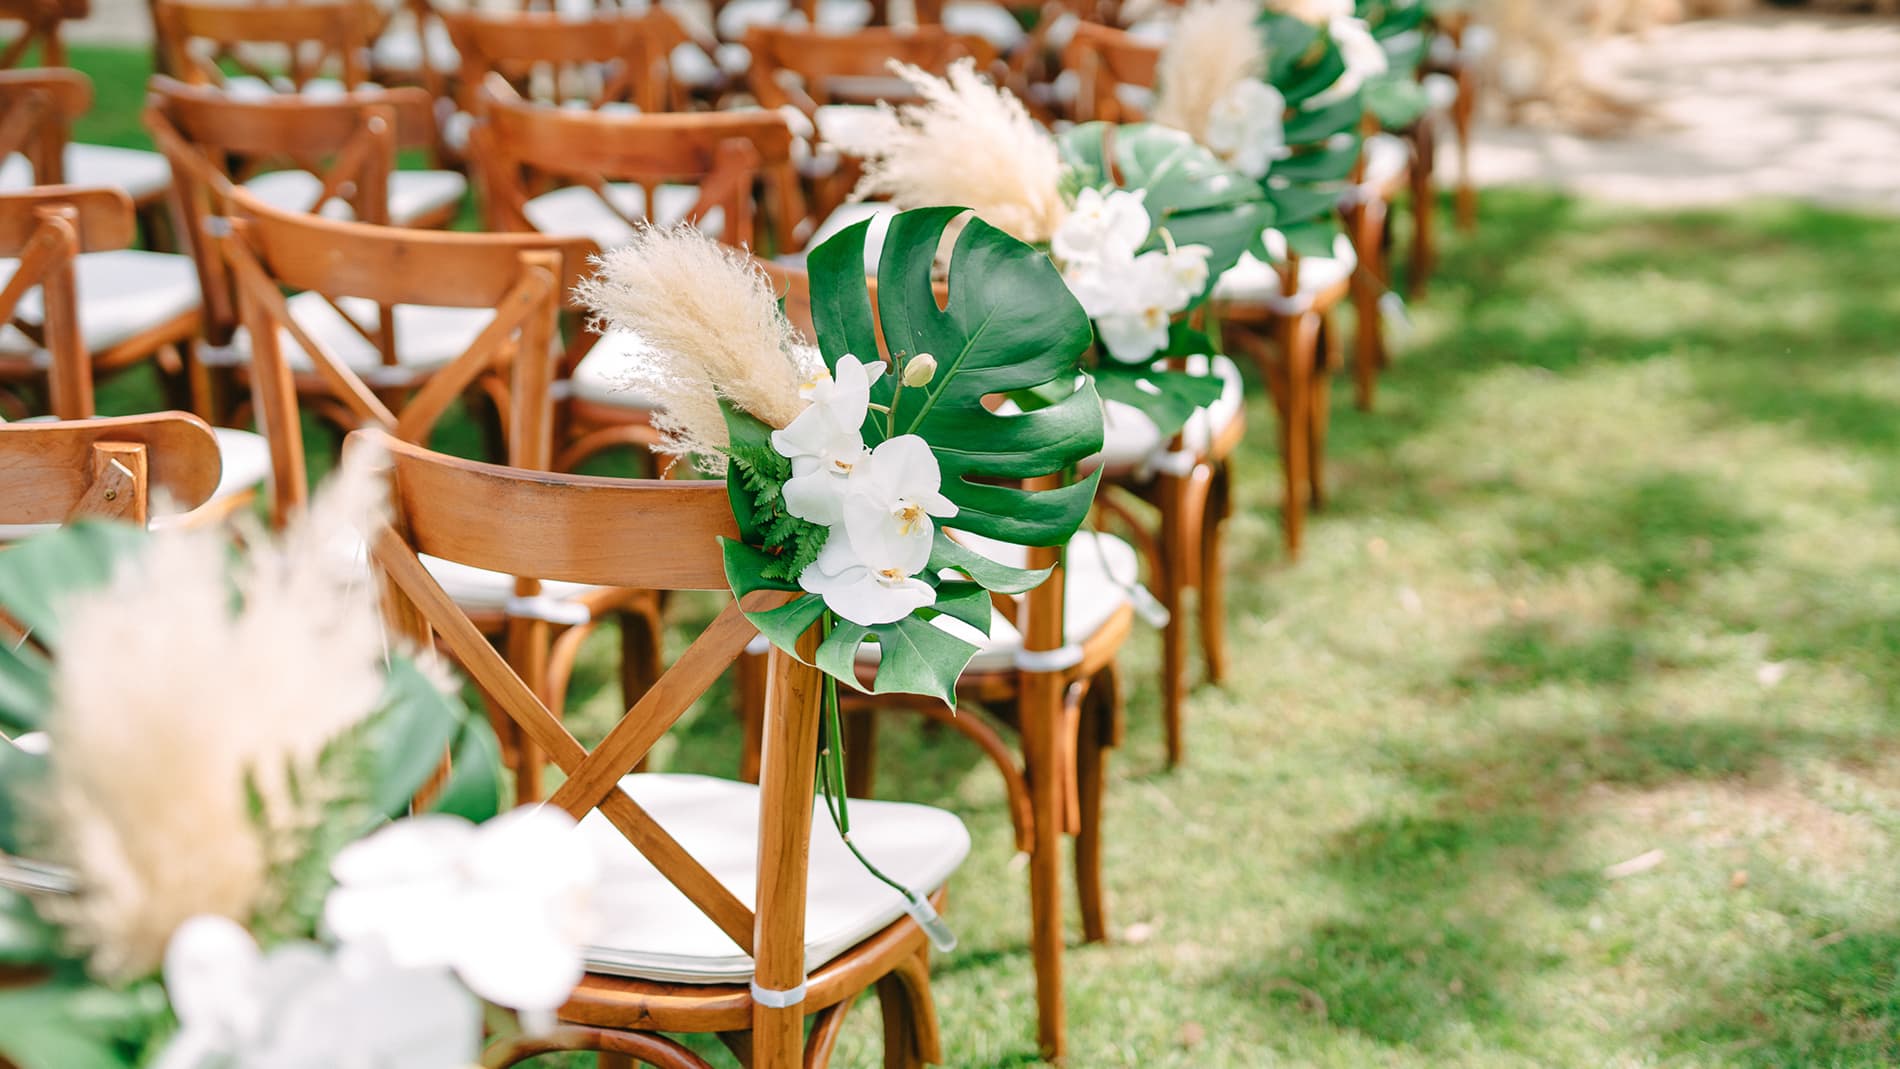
37	110
1104	58
47	470
40	22
321	36
610	56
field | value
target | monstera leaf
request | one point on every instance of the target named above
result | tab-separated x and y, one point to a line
1187	189
1008	324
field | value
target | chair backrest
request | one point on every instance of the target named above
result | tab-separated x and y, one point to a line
609	57
44	230
278	43
37	110
40	22
660	535
213	140
362	272
809	68
1107	59
524	146
65	470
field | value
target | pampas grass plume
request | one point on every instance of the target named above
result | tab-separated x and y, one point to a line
1215	46
712	327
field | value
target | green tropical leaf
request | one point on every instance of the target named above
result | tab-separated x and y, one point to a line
26	688
1169	398
26	940
1002	578
60	1025
1009	323
474	787
416	725
38	573
20	773
968	602
1396	101
1186	188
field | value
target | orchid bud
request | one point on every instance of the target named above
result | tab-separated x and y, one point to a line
919	370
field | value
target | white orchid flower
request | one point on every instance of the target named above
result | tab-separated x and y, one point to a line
1247	127
1151	292
300	1007
1187	267
825	443
1102	227
505	904
867	571
1363	56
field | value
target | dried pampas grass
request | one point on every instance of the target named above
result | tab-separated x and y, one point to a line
1317	12
712	327
967	143
1214	48
170	696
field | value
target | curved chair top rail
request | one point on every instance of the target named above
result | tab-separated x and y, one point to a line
102	219
48	470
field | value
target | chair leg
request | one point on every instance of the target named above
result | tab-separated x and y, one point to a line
911	1036
1041	719
1318	416
641	657
751	670
1424	208
1299	341
1173	583
1213	602
1462	112
1091	776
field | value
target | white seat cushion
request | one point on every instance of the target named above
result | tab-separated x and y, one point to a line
738	16
122	294
601	376
1101	571
480	590
427	337
877	211
1386	158
1132	440
652	931
412	194
992	22
1441	91
1479	41
142	175
1250	280
842	123
576	210
400	48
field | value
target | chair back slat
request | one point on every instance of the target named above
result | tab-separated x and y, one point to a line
102	219
46	229
612	56
196	36
1105	59
56	471
789	61
37	110
40	23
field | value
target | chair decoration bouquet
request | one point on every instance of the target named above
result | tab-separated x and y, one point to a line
202	755
850	462
1139	219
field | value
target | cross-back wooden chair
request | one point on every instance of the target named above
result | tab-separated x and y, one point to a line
39	31
611	57
1458	50
1115	72
46	234
78	304
38	106
65	470
708	932
285	46
513	285
834	79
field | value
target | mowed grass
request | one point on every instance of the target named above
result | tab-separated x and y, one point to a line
1614	569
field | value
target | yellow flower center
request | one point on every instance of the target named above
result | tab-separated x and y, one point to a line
893	575
909	515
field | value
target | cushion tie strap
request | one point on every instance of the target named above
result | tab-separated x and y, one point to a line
778	1000
1060	659
552	610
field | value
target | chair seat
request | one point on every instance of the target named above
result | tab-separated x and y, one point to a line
601	376
1386	159
738	16
144	176
1132	440
427	337
992	22
841	122
413	195
846	214
122	294
1252	281
577	210
245	457
478	590
653	932
401	48
1441	91
1102	575
1479	41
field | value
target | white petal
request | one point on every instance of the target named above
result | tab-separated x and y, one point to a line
533	845
211	969
817	497
424	846
522	965
878	539
807	435
867	601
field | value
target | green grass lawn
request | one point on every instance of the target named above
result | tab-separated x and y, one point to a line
1614	569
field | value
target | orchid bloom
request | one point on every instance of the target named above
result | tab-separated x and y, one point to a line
867	572
1364	58
504	904
1102	227
825	443
302	1007
1246	127
1132	303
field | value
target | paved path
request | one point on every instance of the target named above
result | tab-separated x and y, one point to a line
1771	105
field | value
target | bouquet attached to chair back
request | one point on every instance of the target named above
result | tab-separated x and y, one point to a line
848	460
201	756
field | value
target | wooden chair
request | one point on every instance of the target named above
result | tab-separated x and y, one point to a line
612	57
39	33
48	234
1115	72
683	952
273	47
834	79
128	305
65	470
1459	51
342	155
38	107
509	288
